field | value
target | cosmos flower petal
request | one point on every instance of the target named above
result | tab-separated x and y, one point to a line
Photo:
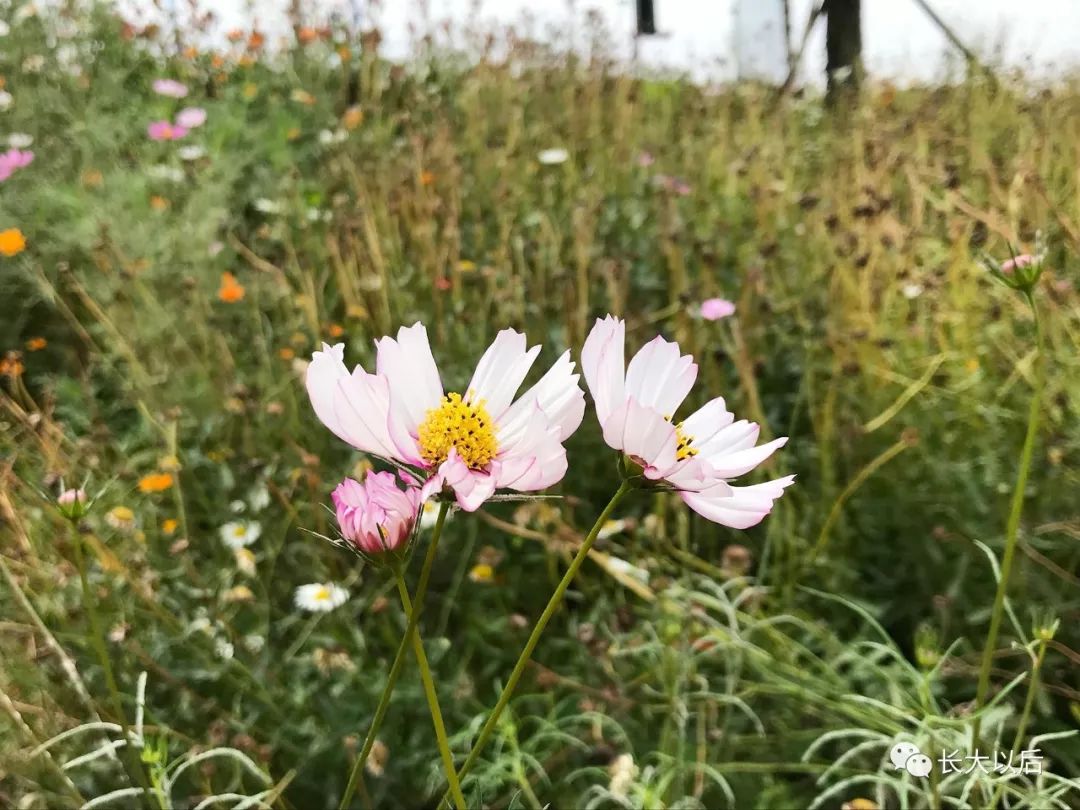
557	394
362	405
501	371
643	434
660	377
704	423
738	507
471	487
409	367
741	462
603	364
733	436
324	371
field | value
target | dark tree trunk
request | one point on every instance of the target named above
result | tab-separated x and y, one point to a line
843	46
646	18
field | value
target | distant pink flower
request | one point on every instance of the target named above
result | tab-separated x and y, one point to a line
191	117
170	87
1017	263
673	184
165	131
14	159
713	309
71	496
376	516
645	160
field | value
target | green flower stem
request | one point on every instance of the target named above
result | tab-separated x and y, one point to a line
128	757
399	659
1025	715
1012	527
542	622
432	700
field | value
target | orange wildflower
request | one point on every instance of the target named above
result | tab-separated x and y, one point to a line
12	242
92	178
158	203
155	482
11	365
230	290
427	178
256	40
353	118
36	344
286	353
335	330
235	35
307	35
168	526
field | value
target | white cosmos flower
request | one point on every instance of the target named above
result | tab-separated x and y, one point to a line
636	405
320	597
20	140
239	533
553	157
477	442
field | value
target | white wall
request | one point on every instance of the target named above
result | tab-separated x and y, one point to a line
900	42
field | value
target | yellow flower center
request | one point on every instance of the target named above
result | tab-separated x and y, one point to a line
322	594
683	442
458	424
239	531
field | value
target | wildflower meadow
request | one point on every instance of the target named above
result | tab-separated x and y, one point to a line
511	429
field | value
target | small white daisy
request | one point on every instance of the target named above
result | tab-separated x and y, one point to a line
912	291
20	140
191	152
6	99
259	498
267	206
319	597
239	533
553	157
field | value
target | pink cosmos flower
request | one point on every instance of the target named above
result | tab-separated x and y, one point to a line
475	443
14	159
191	118
165	131
170	88
376	516
1017	262
636	405
713	309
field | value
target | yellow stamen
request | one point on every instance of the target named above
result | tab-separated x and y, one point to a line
462	425
322	594
683	442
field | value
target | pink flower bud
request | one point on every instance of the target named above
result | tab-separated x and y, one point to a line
1016	263
376	516
72	503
